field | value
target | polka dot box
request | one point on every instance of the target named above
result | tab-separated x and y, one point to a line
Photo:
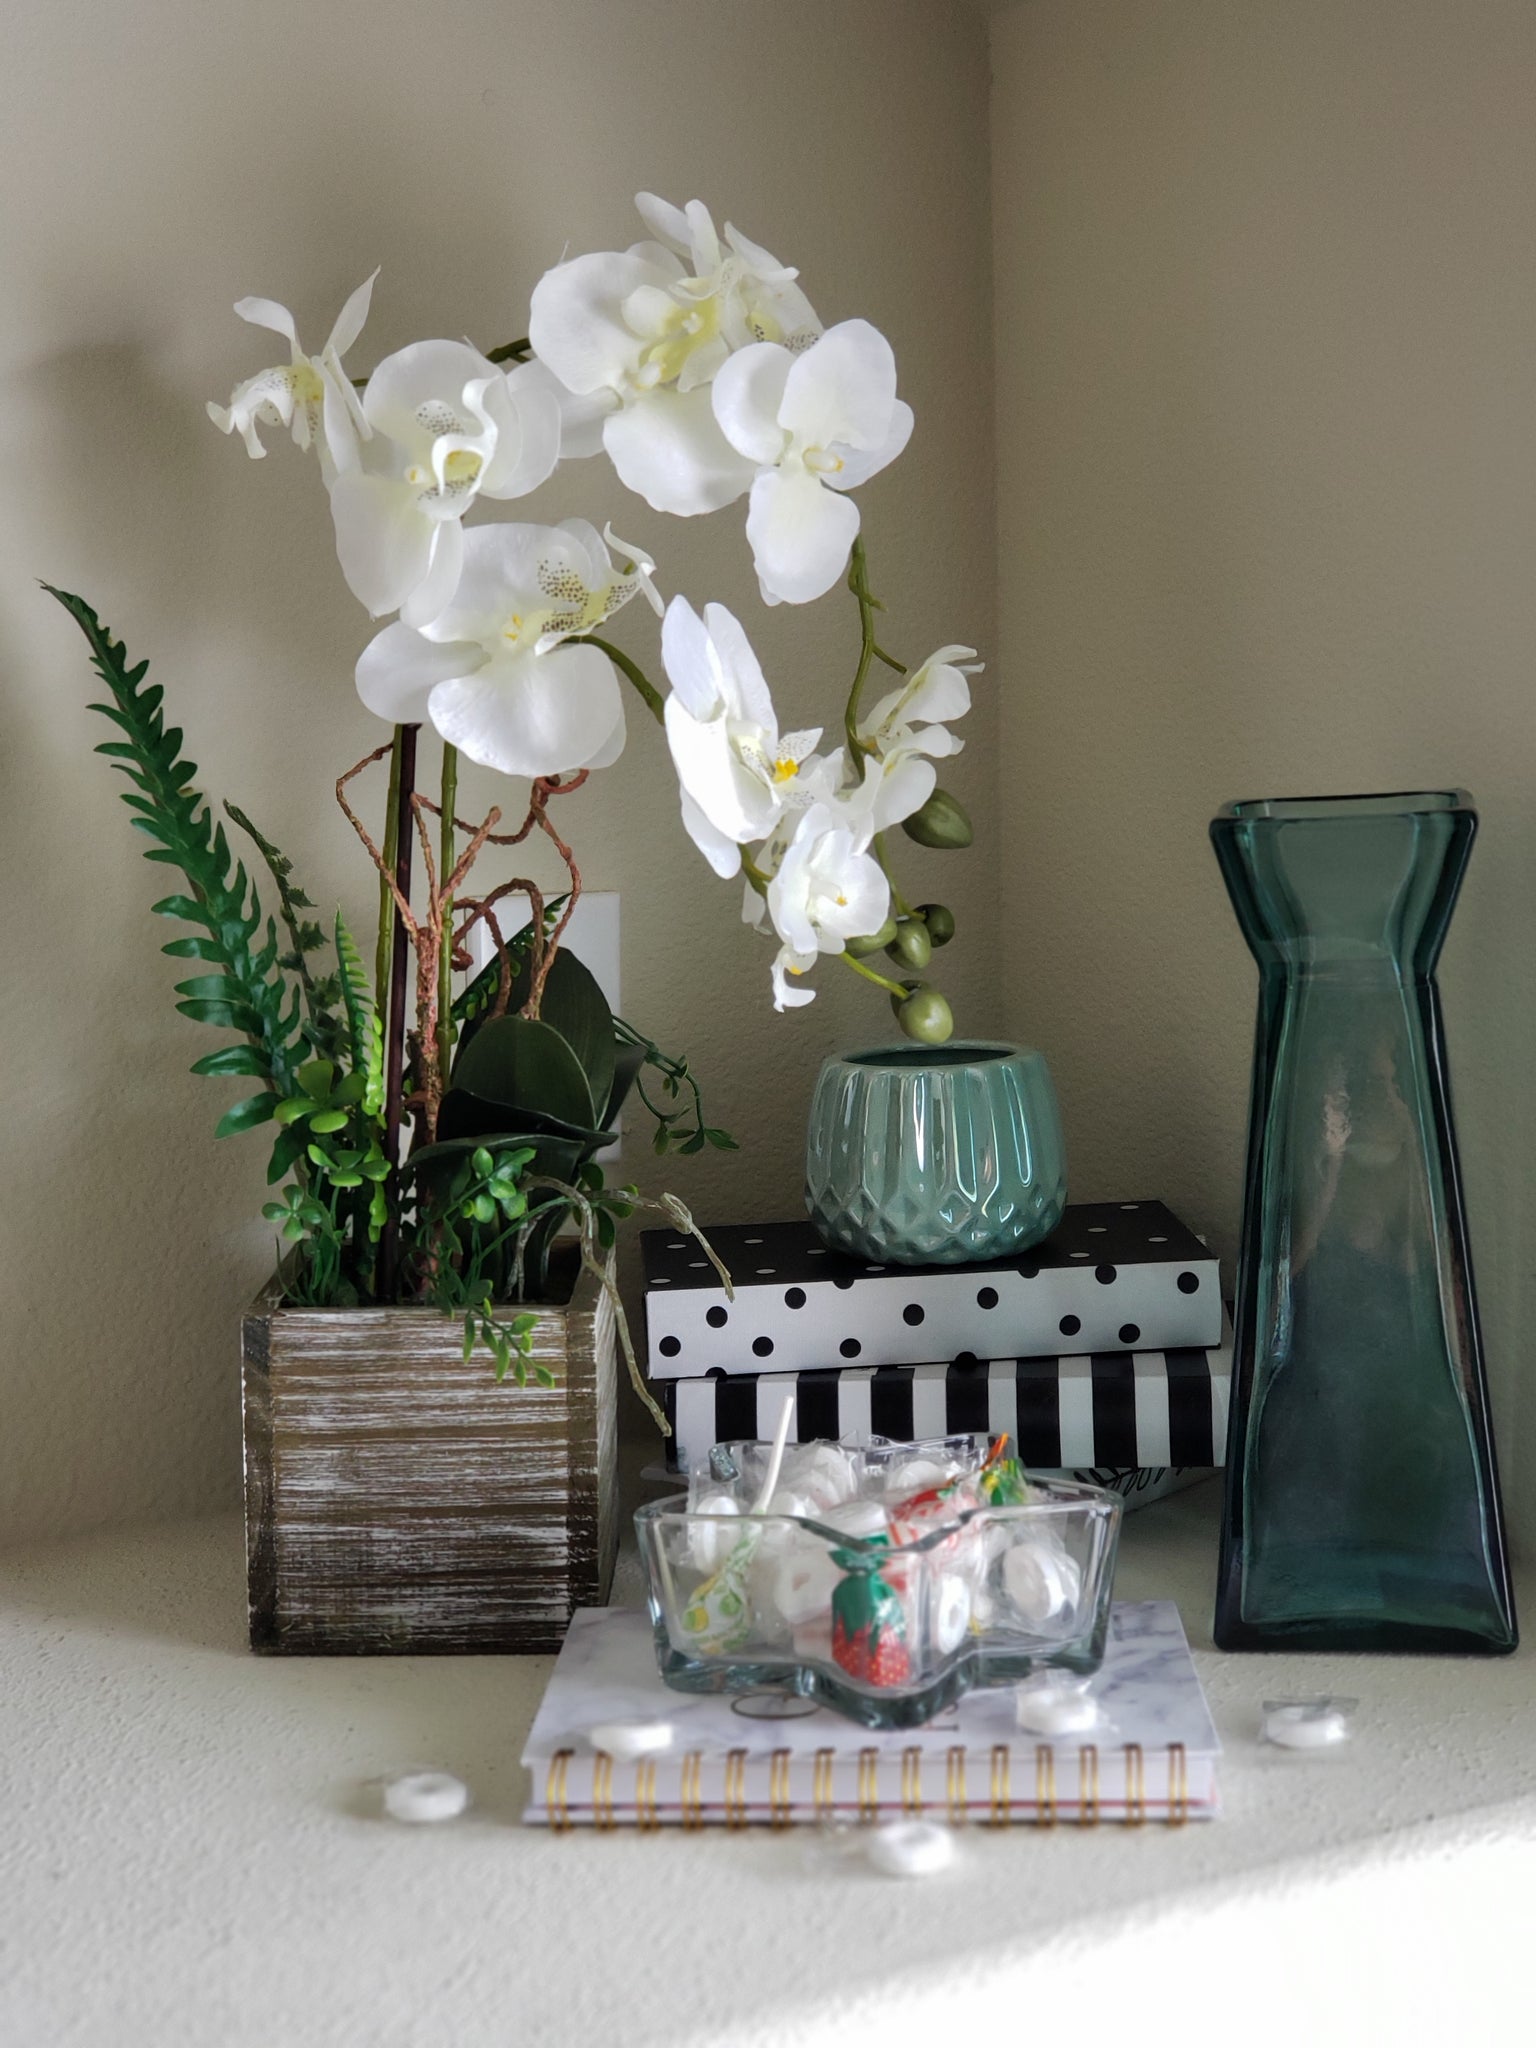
1114	1276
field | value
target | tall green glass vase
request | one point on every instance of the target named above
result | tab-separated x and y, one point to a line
1362	1502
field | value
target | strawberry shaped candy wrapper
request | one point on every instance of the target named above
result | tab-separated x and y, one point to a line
869	1629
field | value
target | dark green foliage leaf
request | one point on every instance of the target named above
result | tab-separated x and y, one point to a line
287	1150
194	949
525	1066
627	1062
255	1109
573	1005
231	1059
183	907
474	1001
232	1016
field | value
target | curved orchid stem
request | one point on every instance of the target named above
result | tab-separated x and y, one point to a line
894	988
654	701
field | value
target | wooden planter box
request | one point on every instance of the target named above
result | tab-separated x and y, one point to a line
400	1501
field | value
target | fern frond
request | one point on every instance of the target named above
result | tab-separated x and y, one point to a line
245	991
364	1028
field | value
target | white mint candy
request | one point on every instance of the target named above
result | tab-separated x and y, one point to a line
1304	1727
631	1738
709	1543
777	1537
825	1473
425	1796
916	1475
951	1612
910	1848
1041	1580
1054	1705
858	1518
804	1584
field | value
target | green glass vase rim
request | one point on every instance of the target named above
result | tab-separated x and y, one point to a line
1322	810
918	1059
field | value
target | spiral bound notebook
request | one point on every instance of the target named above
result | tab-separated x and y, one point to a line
1151	1758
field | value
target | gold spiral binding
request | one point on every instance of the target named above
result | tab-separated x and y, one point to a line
821	1784
554	1792
736	1789
954	1784
912	1780
869	1784
1045	1785
1178	1785
602	1792
1135	1785
1088	1785
646	1819
1002	1795
778	1789
689	1792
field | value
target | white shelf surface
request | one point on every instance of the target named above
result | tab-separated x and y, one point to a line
192	1855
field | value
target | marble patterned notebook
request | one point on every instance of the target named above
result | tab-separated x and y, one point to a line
1152	1756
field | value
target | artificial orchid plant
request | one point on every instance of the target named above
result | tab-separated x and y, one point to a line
698	367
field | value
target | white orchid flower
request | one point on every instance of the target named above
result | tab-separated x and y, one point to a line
738	775
494	672
640	337
447	428
815	426
827	891
311	396
906	731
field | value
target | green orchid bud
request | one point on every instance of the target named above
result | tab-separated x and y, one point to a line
911	946
940	920
942	822
872	942
926	1016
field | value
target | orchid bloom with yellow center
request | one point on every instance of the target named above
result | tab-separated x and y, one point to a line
502	671
641	335
311	396
814	426
447	428
738	775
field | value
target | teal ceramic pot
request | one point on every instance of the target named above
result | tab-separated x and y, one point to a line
935	1155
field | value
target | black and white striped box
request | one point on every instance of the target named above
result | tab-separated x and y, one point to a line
1113	1276
1118	1408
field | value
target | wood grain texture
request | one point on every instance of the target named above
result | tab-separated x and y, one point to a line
400	1501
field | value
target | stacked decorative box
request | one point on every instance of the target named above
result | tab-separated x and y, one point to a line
1104	1347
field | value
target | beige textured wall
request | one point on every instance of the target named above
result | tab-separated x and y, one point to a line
158	161
1266	342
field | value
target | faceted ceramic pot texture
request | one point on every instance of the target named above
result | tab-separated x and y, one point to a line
935	1155
1362	1497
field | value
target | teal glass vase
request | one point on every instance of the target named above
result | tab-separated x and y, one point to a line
935	1155
1362	1500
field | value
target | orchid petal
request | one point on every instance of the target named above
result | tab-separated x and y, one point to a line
668	449
800	535
437	587
533	714
574	322
526	417
350	320
693	667
268	313
383	540
398	671
669	224
843	389
747	395
746	687
723	854
858	465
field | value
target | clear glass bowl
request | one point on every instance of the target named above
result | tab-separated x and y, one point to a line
881	1581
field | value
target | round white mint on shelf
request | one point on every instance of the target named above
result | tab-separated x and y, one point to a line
631	1738
1305	1724
1040	1579
951	1612
425	1796
1053	1703
910	1848
778	1537
709	1543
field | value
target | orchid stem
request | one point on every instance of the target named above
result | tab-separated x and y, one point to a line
654	700
445	865
894	988
903	907
858	583
386	901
